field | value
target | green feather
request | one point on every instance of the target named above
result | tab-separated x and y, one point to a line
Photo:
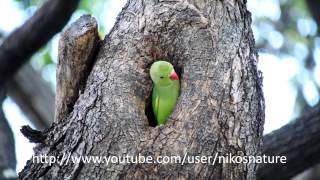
165	91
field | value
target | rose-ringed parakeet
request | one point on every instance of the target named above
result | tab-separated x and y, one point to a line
165	92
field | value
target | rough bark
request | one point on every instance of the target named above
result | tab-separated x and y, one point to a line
33	95
7	149
77	48
298	141
46	22
220	109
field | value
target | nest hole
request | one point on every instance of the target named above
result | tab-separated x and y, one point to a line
149	111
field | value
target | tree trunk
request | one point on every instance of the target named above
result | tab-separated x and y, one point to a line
220	109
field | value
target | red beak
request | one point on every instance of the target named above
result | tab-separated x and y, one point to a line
174	76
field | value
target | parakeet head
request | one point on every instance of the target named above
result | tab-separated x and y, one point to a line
162	73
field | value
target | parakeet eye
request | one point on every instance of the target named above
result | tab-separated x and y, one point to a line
161	77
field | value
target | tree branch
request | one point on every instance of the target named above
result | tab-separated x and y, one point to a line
23	42
35	98
34	136
7	148
78	47
298	141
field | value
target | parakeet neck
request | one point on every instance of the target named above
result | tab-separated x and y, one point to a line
165	91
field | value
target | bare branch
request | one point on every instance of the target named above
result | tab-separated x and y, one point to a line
33	95
78	46
33	135
23	42
298	141
7	148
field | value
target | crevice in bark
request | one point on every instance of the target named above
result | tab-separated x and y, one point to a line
149	112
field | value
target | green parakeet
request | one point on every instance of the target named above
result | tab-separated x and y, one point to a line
165	92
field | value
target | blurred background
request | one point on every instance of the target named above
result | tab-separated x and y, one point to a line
287	39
